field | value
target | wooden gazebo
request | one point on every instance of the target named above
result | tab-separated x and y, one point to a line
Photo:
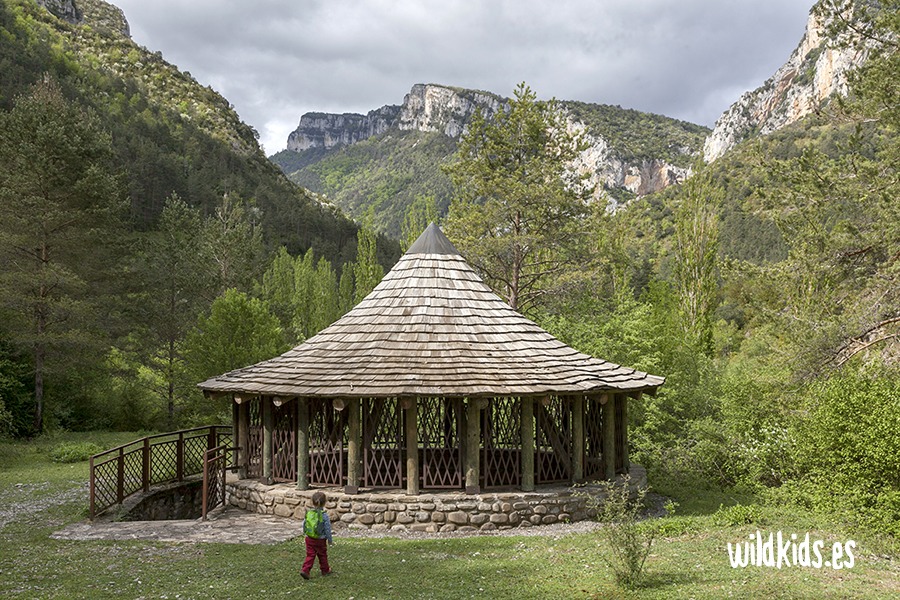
431	382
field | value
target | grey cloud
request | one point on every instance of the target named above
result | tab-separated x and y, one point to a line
275	60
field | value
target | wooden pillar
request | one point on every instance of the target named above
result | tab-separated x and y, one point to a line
243	439
609	435
302	443
412	446
527	433
473	446
354	448
577	438
268	417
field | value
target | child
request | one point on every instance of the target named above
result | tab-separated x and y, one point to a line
317	527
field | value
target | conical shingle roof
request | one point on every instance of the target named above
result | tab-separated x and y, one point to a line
431	328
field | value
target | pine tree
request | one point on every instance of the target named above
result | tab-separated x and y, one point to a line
517	211
60	206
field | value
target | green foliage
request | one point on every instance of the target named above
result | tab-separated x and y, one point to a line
385	174
737	515
847	453
367	273
635	135
238	331
71	452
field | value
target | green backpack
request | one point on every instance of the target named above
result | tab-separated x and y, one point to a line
314	524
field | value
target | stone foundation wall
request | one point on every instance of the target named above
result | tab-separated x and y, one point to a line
427	512
181	500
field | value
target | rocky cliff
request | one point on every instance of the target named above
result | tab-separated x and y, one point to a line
448	110
816	70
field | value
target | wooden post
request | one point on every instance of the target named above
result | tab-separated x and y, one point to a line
354	448
243	439
302	443
412	449
577	438
609	436
473	446
268	417
179	457
624	400
527	433
145	465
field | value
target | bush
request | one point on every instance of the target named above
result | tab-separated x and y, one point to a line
739	514
628	540
72	452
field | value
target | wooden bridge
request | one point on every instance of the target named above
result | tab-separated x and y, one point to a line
163	458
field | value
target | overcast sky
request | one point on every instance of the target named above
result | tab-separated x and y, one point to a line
277	59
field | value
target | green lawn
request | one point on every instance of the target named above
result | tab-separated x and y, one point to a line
691	563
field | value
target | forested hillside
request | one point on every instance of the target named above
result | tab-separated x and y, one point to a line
132	199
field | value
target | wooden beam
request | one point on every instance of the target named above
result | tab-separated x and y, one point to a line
354	448
608	426
473	446
577	438
527	433
243	440
302	443
412	448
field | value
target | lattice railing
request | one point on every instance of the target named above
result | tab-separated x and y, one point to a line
593	440
327	444
439	438
284	442
215	464
502	443
255	440
134	467
553	445
383	451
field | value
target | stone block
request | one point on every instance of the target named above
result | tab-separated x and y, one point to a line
488	527
282	510
549	519
485	507
404	518
389	516
448	528
365	519
540	509
376	508
396	507
423	517
438	517
499	518
458	517
348	517
478	519
426	505
535	519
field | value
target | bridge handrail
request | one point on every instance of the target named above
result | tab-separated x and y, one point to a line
120	472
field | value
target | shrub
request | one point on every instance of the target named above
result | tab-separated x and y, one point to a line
72	452
739	514
628	541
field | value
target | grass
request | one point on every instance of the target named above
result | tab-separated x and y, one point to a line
690	561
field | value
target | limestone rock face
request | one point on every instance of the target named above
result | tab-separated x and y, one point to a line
324	130
64	9
429	107
814	72
448	110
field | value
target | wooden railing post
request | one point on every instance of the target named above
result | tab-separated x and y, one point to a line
204	491
145	471
120	476
91	491
179	457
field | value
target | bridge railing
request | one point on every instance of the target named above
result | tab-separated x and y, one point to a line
162	458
